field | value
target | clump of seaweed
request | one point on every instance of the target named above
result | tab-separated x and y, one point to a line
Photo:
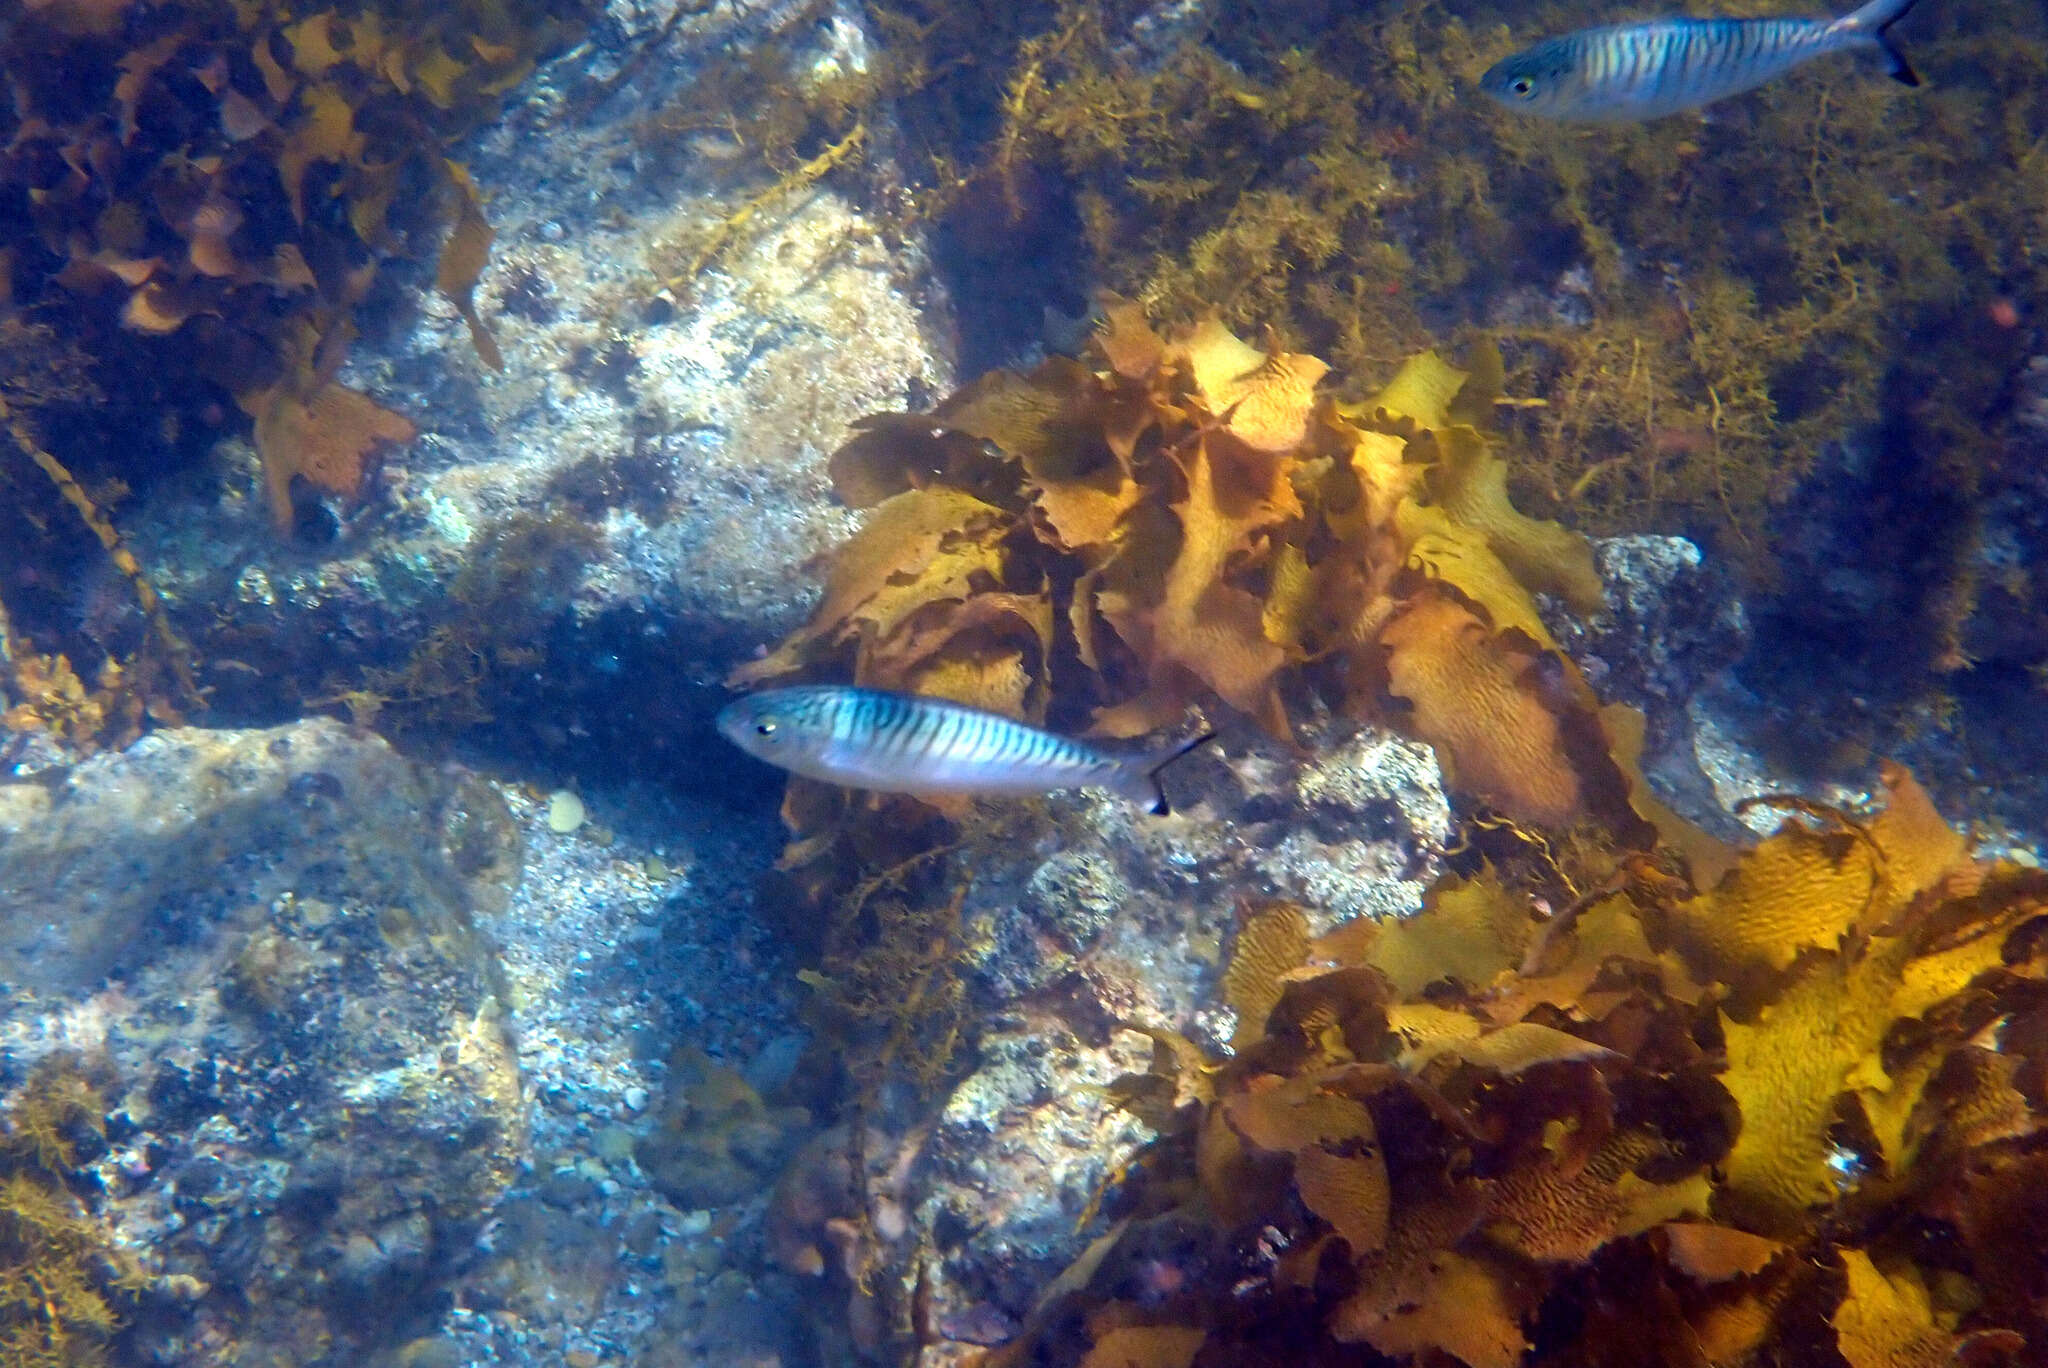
1793	1115
42	692
1699	306
63	1284
1183	519
208	189
515	577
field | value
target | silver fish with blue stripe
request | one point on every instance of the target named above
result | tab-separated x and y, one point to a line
907	743
1629	72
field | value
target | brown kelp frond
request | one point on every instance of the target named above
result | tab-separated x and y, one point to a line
1185	519
231	180
1426	1145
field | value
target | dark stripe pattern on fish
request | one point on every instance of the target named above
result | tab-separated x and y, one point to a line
1628	72
906	743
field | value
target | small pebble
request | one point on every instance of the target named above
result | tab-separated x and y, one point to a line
615	1145
565	812
569	1189
642	1233
635	1099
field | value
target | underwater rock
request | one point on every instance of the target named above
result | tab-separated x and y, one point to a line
2008	623
97	861
316	1098
1093	913
1102	894
1017	1157
1672	625
1906	621
1672	621
593	536
641	984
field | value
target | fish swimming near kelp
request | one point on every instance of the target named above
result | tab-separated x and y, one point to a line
1628	72
906	743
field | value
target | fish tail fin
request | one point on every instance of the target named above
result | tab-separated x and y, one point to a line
1143	784
1875	19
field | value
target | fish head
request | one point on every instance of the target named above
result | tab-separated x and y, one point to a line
1544	80
775	726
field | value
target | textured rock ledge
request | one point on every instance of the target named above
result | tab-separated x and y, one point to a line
315	1100
595	534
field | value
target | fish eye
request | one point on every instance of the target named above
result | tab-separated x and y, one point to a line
1522	85
765	727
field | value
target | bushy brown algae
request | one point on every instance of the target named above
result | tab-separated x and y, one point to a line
1695	307
1182	519
65	1287
1780	1118
199	195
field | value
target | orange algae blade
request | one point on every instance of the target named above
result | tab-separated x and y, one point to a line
463	258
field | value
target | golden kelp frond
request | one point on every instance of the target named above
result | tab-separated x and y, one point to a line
1470	484
1472	698
1262	398
1888	1321
1476	931
1557	1213
327	437
1709	1253
1457	555
1145	1346
1787	1071
920	547
463	257
1205	525
1199	623
1271	945
1801	890
1508	1136
1810	887
1418	399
